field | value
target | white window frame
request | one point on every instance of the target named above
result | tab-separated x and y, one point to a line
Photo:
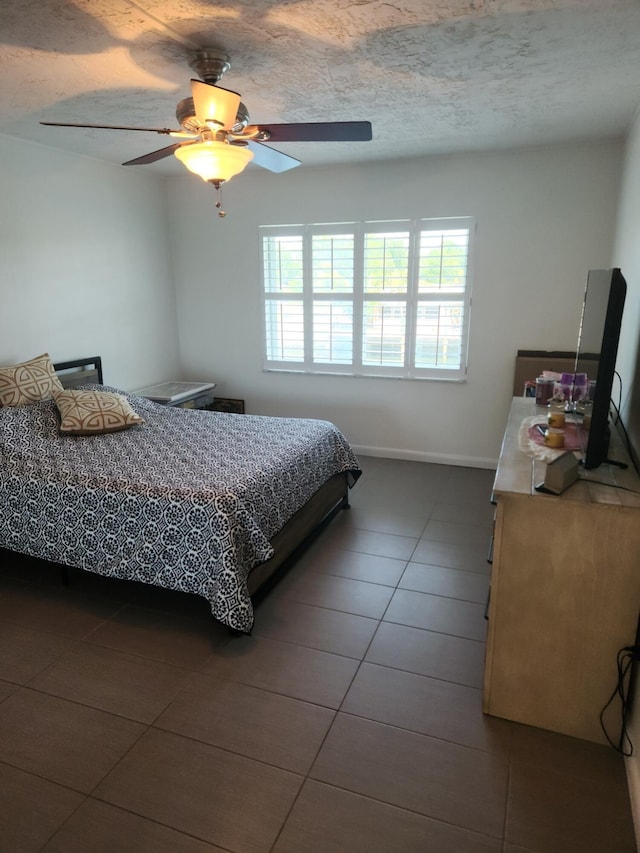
412	298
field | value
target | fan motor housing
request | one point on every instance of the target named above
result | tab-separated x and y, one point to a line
210	64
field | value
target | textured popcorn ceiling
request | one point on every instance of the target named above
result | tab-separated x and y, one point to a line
431	75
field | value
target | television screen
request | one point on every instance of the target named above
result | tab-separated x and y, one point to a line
596	355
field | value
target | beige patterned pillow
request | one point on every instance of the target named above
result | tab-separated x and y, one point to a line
28	382
94	412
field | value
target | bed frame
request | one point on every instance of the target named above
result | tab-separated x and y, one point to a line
298	533
290	542
74	373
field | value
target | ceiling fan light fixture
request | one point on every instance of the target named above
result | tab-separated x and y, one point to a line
213	160
215	107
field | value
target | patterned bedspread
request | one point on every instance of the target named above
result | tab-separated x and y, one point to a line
189	501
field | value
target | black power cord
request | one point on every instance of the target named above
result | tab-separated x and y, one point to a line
619	422
608	485
624	659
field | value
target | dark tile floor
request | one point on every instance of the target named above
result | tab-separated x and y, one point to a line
350	721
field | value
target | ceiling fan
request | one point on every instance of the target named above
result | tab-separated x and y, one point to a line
218	141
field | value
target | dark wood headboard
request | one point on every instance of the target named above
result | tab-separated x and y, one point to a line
530	364
80	371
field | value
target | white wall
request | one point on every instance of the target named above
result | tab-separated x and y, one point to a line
84	264
544	216
88	253
627	256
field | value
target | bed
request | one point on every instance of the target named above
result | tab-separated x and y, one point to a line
209	503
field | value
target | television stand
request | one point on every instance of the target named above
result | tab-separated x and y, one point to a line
565	589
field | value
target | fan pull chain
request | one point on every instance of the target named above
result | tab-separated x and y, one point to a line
221	213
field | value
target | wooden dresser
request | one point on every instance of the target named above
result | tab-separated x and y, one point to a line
565	589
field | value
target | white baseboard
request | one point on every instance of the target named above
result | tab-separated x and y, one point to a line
419	456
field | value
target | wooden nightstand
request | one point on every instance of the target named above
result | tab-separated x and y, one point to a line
186	395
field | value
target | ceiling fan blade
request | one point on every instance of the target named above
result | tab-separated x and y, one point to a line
165	130
321	131
215	106
269	158
154	155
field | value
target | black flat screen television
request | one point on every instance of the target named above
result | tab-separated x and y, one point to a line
596	355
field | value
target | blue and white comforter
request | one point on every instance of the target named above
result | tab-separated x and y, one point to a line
189	501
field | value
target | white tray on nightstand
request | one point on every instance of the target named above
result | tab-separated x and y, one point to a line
173	392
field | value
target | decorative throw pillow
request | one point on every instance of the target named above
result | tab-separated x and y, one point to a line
28	382
94	412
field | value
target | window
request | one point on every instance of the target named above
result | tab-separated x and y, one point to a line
368	298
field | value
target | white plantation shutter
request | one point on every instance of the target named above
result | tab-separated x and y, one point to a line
368	299
283	258
386	277
285	330
384	333
332	263
386	262
332	332
442	310
332	274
